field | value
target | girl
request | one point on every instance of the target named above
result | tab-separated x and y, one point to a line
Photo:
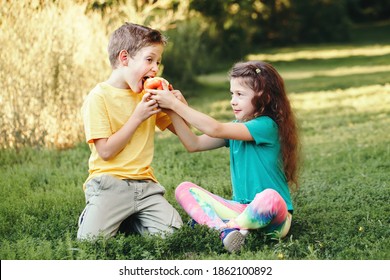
263	144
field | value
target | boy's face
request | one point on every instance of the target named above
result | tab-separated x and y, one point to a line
144	64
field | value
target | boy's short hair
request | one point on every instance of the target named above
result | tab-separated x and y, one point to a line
132	37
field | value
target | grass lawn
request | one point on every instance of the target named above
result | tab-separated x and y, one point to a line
342	102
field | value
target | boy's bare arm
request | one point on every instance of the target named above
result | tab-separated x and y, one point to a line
108	148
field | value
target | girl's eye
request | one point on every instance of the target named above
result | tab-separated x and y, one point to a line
236	94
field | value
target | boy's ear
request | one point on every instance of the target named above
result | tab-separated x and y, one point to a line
124	57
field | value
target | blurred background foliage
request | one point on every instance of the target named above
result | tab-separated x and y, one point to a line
54	51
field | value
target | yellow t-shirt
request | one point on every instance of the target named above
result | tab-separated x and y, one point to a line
104	112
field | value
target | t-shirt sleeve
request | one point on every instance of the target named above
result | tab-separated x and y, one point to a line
263	130
162	121
96	121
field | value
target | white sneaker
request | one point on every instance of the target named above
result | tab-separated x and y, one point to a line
232	239
244	232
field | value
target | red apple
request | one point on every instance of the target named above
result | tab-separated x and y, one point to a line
156	83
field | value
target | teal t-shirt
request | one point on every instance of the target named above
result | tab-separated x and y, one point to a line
257	165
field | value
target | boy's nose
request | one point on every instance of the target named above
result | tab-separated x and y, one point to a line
155	67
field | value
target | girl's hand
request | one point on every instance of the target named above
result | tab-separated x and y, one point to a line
179	96
165	98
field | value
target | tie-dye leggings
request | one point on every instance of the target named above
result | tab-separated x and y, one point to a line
268	210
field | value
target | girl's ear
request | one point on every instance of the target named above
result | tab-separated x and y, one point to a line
124	57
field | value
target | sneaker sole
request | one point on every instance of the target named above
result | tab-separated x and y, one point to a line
234	241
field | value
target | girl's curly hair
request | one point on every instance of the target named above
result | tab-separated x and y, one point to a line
271	100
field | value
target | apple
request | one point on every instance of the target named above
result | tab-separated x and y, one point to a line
156	83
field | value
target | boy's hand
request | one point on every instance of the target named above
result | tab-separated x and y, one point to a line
146	108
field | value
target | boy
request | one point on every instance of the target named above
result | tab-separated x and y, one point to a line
119	123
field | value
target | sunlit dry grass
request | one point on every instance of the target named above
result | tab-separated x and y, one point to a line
48	61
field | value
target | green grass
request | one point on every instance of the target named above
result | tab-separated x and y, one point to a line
342	207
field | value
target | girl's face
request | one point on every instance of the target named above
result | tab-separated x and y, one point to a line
241	101
144	64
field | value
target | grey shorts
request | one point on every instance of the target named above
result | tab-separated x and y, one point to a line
110	201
